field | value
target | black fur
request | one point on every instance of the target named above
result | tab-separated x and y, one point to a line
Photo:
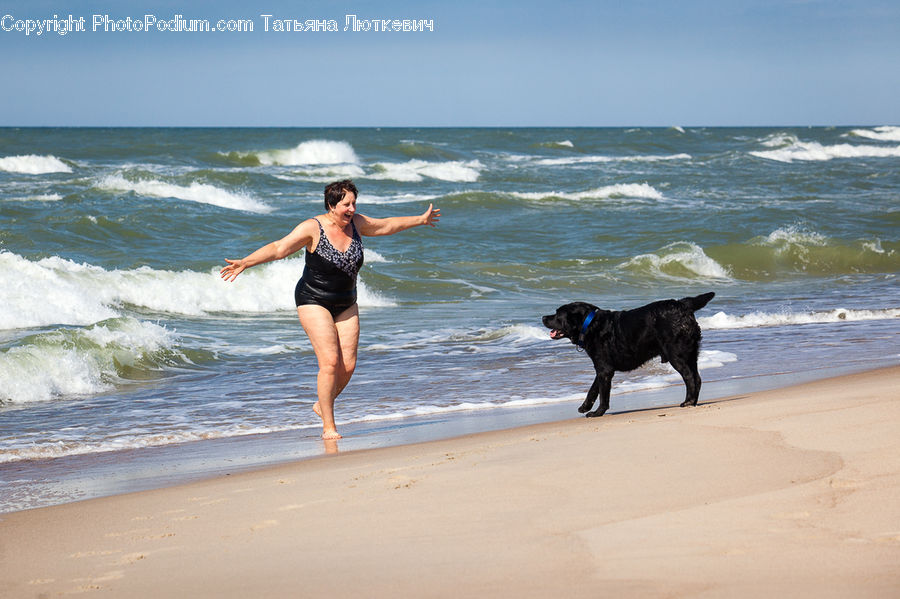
625	340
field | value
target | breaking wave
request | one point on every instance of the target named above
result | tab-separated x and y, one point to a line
202	193
313	152
680	260
81	361
56	291
721	320
622	190
417	170
33	165
788	148
884	133
575	160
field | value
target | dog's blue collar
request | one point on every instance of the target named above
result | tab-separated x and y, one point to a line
587	322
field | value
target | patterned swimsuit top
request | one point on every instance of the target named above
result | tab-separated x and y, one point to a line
350	261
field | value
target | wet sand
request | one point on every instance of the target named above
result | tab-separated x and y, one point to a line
792	492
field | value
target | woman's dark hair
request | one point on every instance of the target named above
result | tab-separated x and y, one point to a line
336	191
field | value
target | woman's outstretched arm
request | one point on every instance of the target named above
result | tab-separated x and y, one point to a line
301	236
388	226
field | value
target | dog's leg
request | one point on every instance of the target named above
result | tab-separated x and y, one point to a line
688	371
591	396
604	383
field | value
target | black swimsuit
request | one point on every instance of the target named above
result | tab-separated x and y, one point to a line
329	277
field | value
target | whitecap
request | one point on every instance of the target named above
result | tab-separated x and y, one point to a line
59	291
794	235
202	193
679	260
816	152
620	190
317	151
33	165
417	170
722	320
883	133
78	361
559	144
577	160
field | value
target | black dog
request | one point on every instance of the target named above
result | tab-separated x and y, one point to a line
626	340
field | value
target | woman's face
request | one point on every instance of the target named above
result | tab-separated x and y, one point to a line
345	209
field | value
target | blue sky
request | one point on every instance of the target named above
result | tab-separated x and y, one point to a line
487	63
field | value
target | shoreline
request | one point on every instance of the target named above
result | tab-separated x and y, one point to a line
791	491
32	484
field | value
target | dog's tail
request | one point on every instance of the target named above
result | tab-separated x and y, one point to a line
695	303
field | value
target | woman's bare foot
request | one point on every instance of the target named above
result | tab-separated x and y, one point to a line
327	434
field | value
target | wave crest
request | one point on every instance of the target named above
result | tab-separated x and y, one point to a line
55	291
721	320
202	193
575	160
34	165
621	190
316	151
77	362
883	133
417	170
680	260
789	149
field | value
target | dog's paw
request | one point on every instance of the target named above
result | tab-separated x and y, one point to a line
584	408
595	414
686	403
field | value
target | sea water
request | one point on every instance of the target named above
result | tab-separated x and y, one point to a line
117	335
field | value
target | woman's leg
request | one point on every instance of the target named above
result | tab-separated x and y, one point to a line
323	335
347	325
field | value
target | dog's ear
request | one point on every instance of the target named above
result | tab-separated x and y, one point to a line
574	316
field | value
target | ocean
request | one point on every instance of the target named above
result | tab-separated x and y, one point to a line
126	361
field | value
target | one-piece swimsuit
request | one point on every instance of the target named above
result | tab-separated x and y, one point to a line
329	276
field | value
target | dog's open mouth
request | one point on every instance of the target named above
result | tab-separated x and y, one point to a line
556	334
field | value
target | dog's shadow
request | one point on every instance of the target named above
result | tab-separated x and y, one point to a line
710	402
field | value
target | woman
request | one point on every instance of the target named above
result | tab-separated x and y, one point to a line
326	293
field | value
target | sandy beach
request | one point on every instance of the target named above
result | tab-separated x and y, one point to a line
793	492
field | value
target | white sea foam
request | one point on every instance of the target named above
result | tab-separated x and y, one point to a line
58	291
317	151
51	291
44	197
472	341
44	449
792	235
559	144
47	197
575	160
195	192
77	361
815	152
401	198
33	165
371	256
780	140
884	133
621	190
680	260
417	170
721	320
324	174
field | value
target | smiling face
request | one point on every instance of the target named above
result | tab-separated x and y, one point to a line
343	211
